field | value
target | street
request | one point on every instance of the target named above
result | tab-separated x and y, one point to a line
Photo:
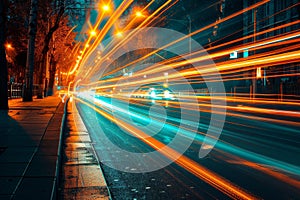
259	158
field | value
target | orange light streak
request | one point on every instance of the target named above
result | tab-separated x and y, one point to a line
201	172
200	30
133	33
124	5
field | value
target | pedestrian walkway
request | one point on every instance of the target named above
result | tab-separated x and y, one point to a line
82	176
30	135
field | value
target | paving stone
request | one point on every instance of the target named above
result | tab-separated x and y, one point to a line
51	135
21	140
12	169
8	185
42	166
17	154
35	188
5	197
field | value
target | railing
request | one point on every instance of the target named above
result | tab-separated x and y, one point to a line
239	91
15	90
283	91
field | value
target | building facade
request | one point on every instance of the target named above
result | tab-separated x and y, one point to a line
277	18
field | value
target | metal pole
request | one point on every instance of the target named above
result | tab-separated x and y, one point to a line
190	38
254	40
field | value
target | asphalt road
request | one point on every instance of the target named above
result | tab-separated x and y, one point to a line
257	153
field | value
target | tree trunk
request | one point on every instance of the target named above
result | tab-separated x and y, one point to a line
30	52
3	63
53	64
42	76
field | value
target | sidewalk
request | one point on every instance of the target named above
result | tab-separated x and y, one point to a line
30	138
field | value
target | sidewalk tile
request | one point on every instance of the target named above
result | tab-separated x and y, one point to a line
5	197
35	188
17	154
42	166
51	135
8	185
21	140
12	169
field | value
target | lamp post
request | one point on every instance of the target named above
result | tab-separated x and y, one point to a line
254	76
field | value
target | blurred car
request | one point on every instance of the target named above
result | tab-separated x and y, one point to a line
154	92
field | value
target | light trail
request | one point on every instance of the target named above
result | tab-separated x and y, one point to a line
208	176
124	5
174	42
290	57
269	108
219	46
282	166
267	170
126	37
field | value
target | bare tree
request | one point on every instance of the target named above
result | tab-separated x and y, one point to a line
3	63
53	26
60	52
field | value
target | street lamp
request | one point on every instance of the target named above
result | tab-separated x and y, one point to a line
8	46
119	34
255	75
105	8
93	33
139	14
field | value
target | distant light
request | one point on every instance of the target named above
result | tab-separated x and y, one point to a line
58	87
258	72
233	54
119	34
246	53
105	8
139	14
93	33
8	46
167	94
152	94
87	45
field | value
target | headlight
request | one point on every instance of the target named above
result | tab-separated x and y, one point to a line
152	94
167	94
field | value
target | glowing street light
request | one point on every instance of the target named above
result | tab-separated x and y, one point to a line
119	34
93	33
139	14
8	46
105	8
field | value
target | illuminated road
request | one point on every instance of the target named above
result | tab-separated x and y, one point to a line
206	110
257	154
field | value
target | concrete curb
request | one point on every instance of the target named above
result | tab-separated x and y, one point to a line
83	177
95	155
59	156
